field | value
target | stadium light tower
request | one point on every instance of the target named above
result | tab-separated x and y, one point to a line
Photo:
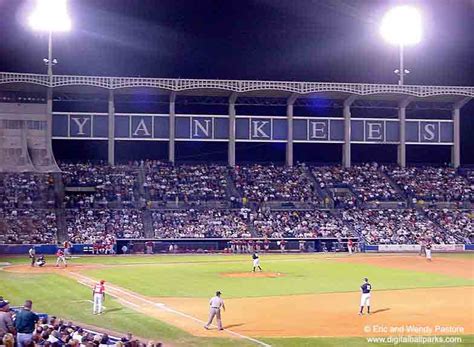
401	26
50	16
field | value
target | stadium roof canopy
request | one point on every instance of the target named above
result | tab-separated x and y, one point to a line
246	91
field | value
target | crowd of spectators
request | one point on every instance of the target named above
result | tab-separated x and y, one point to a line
299	223
111	183
164	182
23	327
194	223
269	182
432	183
26	190
470	176
346	200
89	218
90	225
26	226
459	224
394	226
367	181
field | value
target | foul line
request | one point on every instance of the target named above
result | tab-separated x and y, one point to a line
165	308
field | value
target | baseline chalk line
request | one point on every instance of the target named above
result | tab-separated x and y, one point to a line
163	307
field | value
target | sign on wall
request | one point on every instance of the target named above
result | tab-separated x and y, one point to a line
250	128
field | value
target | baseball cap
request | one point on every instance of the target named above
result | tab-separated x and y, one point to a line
218	293
366	279
3	303
102	281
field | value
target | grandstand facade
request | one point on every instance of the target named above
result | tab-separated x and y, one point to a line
221	206
343	128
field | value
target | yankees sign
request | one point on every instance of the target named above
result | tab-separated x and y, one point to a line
250	128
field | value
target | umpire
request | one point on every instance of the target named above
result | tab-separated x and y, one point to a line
32	255
215	304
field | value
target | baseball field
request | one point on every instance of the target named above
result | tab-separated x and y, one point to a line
298	300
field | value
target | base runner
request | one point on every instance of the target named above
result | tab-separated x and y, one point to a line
365	289
215	304
256	262
61	258
98	297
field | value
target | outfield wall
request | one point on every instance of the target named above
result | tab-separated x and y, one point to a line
416	248
191	245
222	245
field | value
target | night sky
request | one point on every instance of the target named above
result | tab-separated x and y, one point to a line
307	40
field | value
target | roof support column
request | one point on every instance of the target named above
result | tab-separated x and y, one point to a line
49	129
111	135
231	148
402	148
172	128
346	152
456	148
49	115
289	120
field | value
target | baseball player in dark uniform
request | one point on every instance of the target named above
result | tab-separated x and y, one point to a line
40	261
256	262
365	289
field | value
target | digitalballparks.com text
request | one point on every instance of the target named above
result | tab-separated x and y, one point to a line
395	340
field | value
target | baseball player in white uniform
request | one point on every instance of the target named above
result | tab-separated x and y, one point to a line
98	297
216	303
428	251
365	289
256	262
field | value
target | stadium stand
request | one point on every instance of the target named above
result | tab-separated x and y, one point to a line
193	223
27	226
109	183
301	224
394	226
53	331
457	224
25	190
367	181
203	182
470	176
432	183
270	182
90	225
89	217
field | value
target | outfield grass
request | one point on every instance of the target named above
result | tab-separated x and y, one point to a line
198	276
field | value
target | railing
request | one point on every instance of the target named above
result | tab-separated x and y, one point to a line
237	86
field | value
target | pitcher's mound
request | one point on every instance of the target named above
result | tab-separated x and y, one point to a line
252	274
